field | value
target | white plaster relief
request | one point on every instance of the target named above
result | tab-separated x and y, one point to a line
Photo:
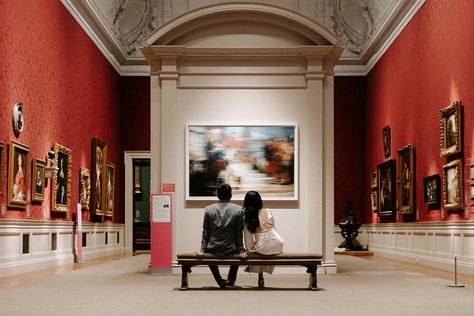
353	21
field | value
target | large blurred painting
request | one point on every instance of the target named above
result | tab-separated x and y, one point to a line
260	158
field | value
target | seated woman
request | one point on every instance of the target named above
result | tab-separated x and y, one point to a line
259	231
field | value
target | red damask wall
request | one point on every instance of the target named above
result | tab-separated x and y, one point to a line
349	145
430	65
69	91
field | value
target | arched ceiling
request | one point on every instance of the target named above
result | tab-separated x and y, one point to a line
365	28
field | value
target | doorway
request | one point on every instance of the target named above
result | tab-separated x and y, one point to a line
141	205
137	223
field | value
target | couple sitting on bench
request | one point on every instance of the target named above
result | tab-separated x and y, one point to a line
222	230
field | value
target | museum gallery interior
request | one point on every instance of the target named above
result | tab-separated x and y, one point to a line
337	112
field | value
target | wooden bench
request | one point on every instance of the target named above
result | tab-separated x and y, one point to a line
310	261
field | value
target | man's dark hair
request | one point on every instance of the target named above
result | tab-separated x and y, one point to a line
224	192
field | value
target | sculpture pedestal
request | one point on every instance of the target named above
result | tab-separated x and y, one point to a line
349	232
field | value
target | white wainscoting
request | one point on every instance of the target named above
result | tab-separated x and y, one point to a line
44	252
432	244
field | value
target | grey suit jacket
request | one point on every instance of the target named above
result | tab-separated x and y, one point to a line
222	229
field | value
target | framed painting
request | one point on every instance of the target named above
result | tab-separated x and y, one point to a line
451	129
110	189
471	172
61	188
373	180
98	177
17	175
386	188
373	200
406	177
453	192
38	180
431	189
247	157
386	140
471	191
84	188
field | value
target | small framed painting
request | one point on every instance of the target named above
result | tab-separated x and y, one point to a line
17	175
386	139
406	176
84	188
453	192
431	189
37	180
373	180
386	188
109	211
61	188
450	123
373	200
98	177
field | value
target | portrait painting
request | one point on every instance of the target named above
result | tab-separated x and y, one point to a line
84	188
37	180
373	200
98	178
110	189
17	175
386	188
373	180
406	176
61	181
453	192
261	158
471	172
386	140
431	187
451	129
472	192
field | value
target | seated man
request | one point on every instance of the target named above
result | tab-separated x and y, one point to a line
222	233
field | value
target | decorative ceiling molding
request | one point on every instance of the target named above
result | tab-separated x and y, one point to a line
365	28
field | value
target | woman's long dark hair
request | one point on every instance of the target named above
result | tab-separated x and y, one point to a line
252	204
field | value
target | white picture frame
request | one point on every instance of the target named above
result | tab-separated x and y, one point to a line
262	158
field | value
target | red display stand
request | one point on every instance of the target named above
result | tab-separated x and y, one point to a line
161	233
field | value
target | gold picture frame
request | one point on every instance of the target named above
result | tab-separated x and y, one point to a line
84	188
451	129
386	188
453	185
38	180
17	175
406	179
373	180
386	141
61	181
109	211
98	176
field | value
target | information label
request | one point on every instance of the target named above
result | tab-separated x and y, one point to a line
161	208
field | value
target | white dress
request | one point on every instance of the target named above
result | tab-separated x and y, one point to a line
265	240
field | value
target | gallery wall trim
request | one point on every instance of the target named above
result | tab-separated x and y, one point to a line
40	255
428	243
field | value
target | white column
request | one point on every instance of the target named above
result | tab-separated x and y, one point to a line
328	213
315	158
170	161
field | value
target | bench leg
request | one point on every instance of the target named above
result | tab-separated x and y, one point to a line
261	282
184	277
313	279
